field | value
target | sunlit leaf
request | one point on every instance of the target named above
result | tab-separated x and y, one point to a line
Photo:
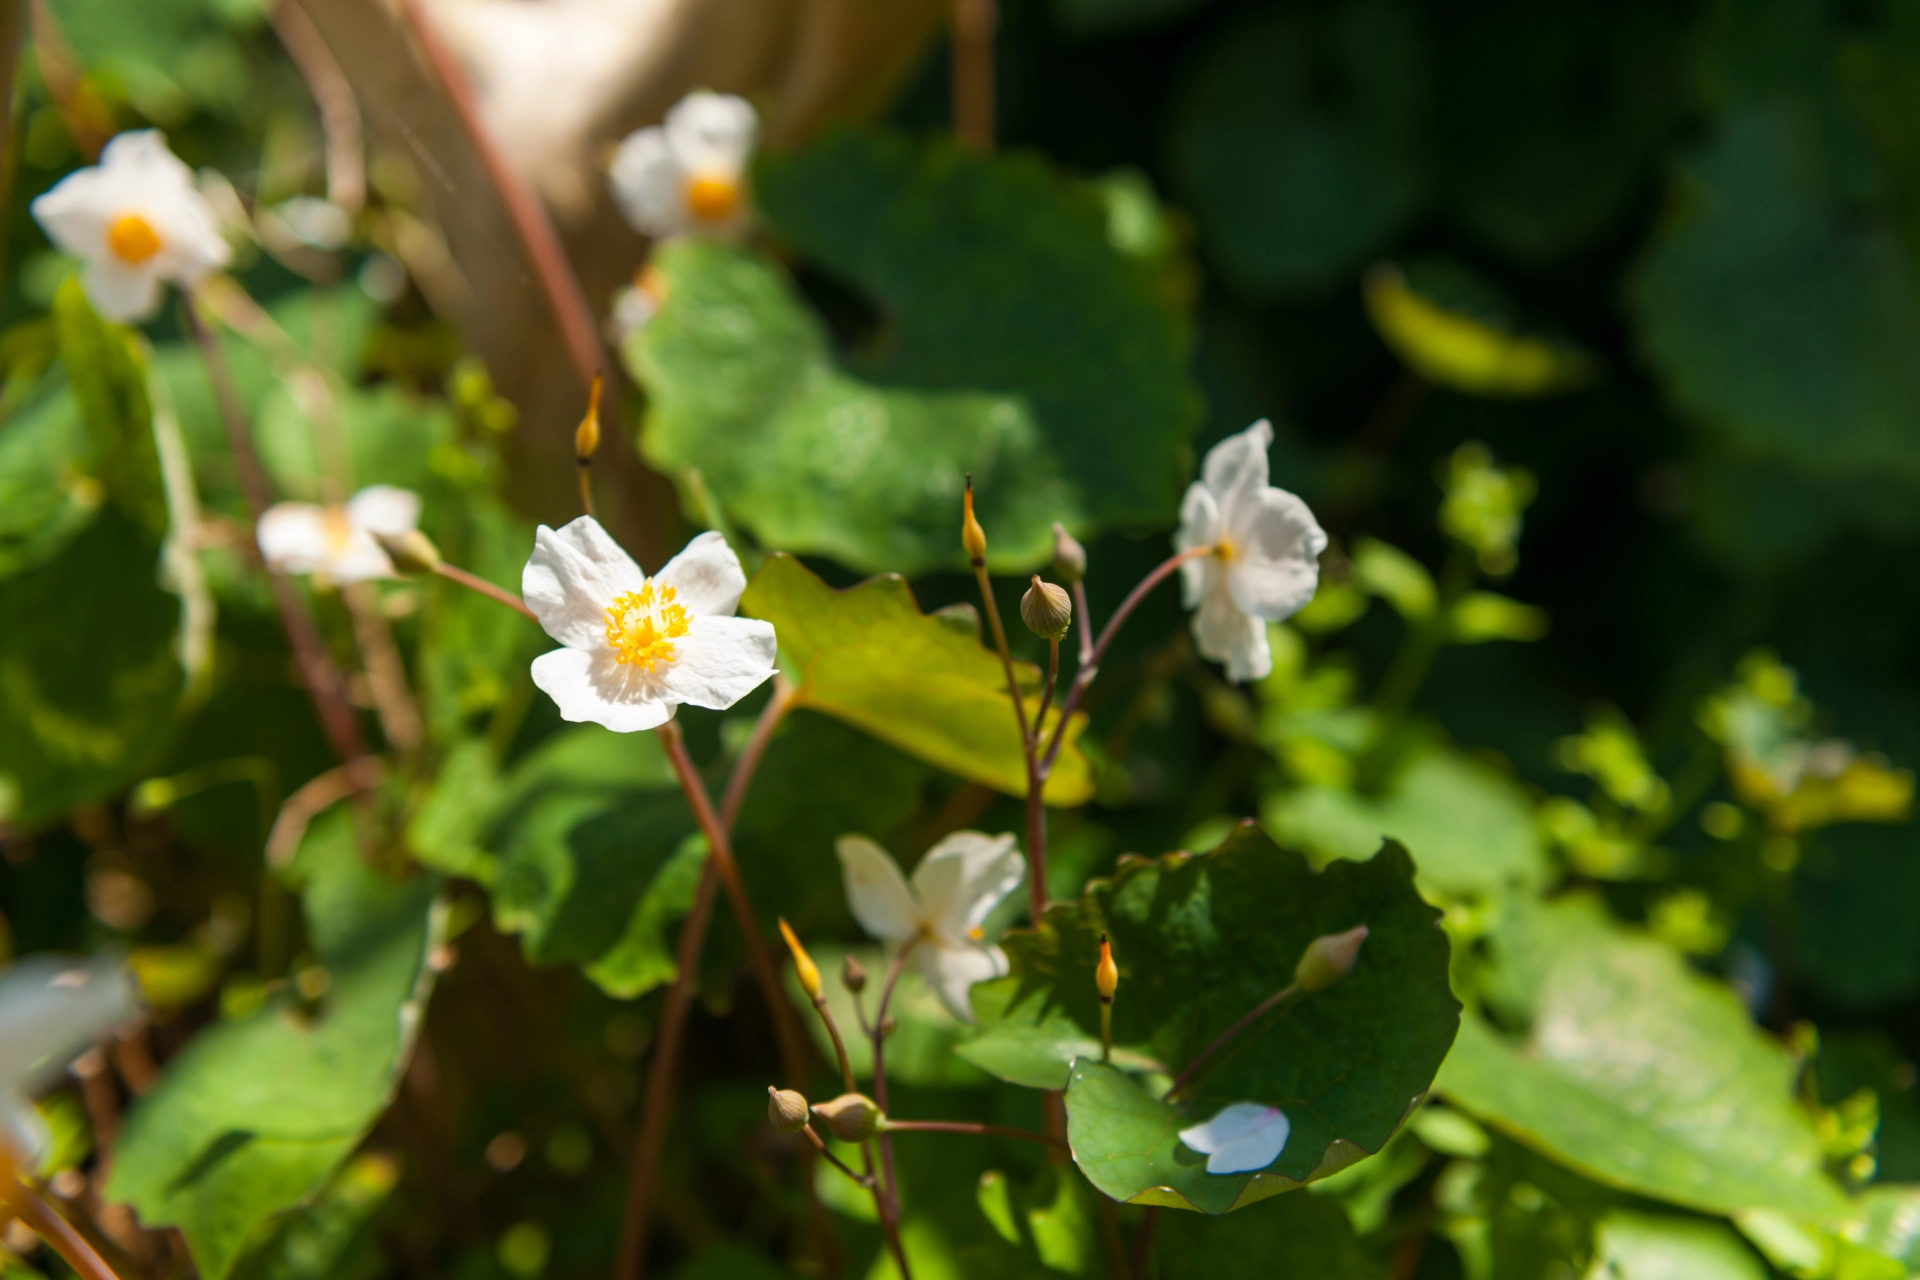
1467	352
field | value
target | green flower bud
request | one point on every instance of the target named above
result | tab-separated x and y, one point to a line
1069	557
411	552
853	975
1329	958
1046	609
851	1117
786	1110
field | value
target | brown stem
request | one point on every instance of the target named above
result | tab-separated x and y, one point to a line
864	1179
1110	1238
474	582
973	23
1029	738
333	95
1084	616
311	798
318	670
886	1197
1143	1242
1000	643
744	768
1253	1015
46	1222
89	123
969	1126
1046	693
386	672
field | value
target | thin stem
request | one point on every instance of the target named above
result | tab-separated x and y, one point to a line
1253	1015
585	468
1143	1242
1110	1238
744	768
863	1179
1046	694
1036	837
474	582
46	1222
1000	643
386	672
1091	666
318	671
887	1200
969	1126
333	95
1083	614
973	23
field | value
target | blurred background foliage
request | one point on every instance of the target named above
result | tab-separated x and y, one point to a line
1591	331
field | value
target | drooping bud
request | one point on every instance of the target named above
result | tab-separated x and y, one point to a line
1069	557
853	975
1106	974
972	536
1329	958
851	1117
803	966
1046	609
411	552
786	1110
586	437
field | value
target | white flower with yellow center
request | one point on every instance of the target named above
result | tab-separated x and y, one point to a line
51	1009
939	915
639	647
340	544
688	176
1265	559
137	222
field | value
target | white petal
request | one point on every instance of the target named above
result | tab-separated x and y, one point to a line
876	891
144	154
706	576
51	1008
293	537
356	558
571	578
1224	632
1236	468
23	1133
632	308
1241	1138
1276	561
720	661
592	688
952	969
1199	527
119	292
76	212
385	508
649	184
963	878
190	241
712	133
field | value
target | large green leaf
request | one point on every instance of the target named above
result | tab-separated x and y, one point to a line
1290	1236
1640	1074
867	655
1016	343
1201	940
332	1239
254	1115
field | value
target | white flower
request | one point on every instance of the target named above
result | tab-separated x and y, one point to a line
959	881
1242	1138
1266	558
638	647
51	1008
338	542
137	221
688	176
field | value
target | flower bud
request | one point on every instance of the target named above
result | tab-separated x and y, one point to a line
851	1117
586	437
972	536
803	966
888	1025
852	975
786	1110
1106	975
1046	609
411	552
1069	557
1329	958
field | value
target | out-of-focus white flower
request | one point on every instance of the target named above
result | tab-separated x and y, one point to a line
137	221
636	304
639	647
338	543
1266	553
1241	1138
955	886
313	222
688	176
51	1008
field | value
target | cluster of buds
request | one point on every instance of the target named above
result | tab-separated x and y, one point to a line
851	1117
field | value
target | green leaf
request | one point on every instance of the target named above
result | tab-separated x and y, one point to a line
867	655
1640	1246
110	383
1200	941
1299	143
332	1238
1042	1229
254	1115
1640	1074
1290	1236
1017	344
48	492
1469	827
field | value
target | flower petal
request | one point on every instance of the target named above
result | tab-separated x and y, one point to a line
75	213
384	508
951	969
573	575
119	292
1240	1138
1199	527
23	1133
591	688
712	133
1276	564
648	184
1224	632
1236	468
52	1007
963	878
293	537
720	661
706	576
876	891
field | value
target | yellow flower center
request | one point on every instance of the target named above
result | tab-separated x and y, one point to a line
712	198
642	626
1225	550
338	527
132	239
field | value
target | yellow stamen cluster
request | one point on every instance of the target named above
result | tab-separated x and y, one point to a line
132	239
642	626
711	198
